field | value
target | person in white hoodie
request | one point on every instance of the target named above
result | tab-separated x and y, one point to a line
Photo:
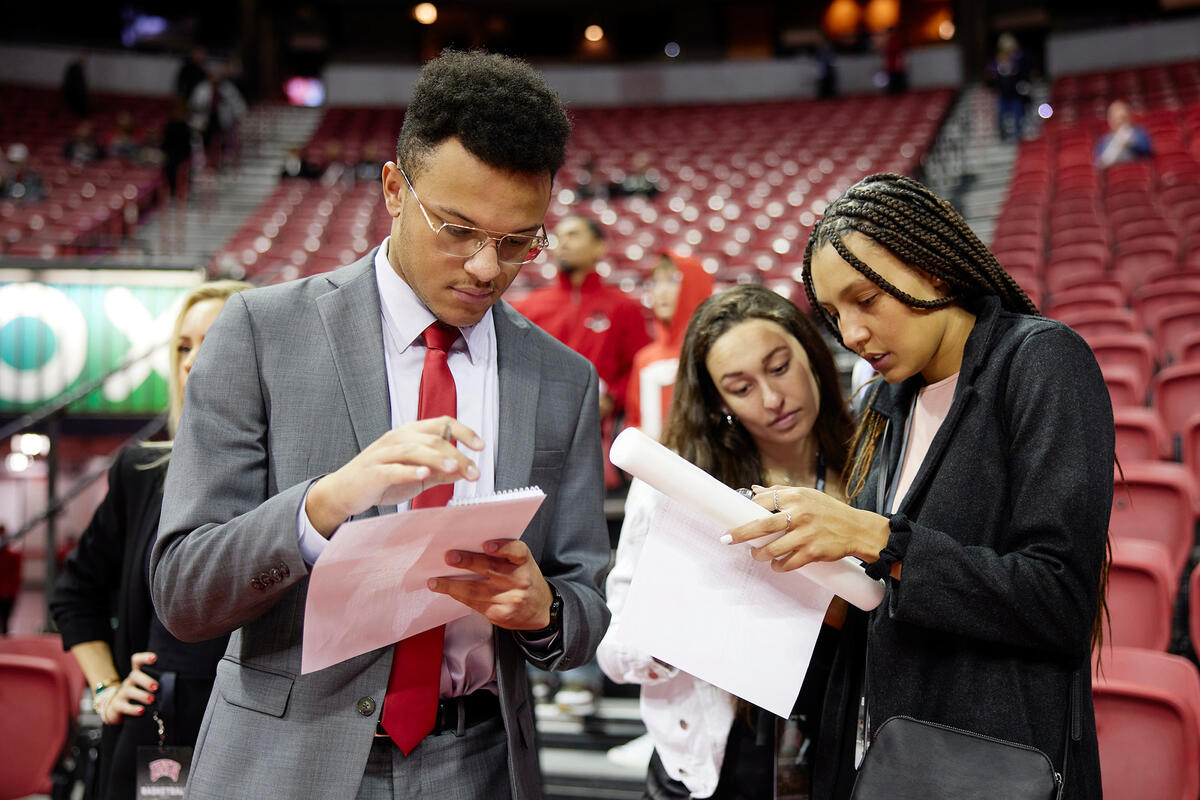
757	401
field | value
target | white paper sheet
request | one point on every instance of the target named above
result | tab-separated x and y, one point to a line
368	589
642	457
716	613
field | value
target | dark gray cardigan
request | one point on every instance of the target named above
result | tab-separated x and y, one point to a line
1008	517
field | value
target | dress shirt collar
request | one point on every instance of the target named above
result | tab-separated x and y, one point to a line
406	317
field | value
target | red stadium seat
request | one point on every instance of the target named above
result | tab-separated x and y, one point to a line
1140	435
1176	392
1155	501
1189	348
1141	594
49	645
34	725
1173	324
1093	323
1148	722
1133	350
1152	299
1125	386
1190	444
1194	609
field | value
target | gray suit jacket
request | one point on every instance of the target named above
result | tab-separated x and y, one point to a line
289	386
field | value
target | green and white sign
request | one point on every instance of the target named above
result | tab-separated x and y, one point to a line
61	329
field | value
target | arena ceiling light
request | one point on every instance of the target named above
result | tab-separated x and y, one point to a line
425	13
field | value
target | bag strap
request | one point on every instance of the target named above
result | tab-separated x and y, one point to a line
1074	731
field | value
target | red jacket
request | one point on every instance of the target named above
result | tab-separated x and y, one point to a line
653	378
598	321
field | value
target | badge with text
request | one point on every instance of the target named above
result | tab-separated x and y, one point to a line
162	771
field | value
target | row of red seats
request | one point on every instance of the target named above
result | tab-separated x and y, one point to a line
84	207
740	185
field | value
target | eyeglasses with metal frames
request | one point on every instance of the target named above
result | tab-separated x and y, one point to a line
464	241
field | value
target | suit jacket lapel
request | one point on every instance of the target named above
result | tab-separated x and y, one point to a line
354	329
520	375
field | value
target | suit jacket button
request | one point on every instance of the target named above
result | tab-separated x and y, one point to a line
284	571
276	575
366	706
256	584
265	579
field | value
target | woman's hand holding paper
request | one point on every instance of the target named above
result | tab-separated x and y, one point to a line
810	526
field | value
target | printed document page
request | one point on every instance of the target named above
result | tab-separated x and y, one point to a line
713	611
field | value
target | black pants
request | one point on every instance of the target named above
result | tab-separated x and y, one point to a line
748	772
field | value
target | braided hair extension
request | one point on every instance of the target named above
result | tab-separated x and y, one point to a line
922	230
925	232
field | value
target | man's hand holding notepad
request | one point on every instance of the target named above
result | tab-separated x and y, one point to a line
370	589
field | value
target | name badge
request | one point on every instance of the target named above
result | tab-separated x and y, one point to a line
162	771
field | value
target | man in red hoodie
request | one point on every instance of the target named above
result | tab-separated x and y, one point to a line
678	285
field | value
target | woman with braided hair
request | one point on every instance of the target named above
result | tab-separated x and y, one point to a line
980	486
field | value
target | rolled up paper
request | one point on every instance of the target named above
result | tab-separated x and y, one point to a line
678	478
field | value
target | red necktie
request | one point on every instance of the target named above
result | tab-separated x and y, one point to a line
410	705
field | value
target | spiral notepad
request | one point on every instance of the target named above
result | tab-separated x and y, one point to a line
503	494
368	589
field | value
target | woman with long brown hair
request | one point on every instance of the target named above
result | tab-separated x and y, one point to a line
981	484
756	401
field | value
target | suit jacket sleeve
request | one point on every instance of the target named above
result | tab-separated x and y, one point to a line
224	526
575	556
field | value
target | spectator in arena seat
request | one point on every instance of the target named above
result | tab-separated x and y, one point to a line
296	165
640	181
84	146
677	285
1124	140
370	162
123	143
137	669
588	184
23	183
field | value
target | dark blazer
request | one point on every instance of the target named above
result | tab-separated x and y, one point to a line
290	385
105	578
1009	517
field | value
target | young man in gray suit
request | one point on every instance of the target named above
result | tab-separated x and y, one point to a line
302	412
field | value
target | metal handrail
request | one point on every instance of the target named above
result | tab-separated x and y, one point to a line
145	432
52	416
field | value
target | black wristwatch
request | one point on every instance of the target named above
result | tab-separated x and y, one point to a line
555	613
